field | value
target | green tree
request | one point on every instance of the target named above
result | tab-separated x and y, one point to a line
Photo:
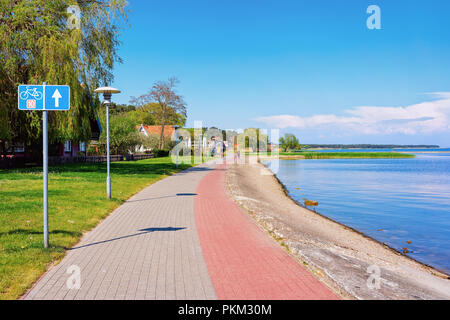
123	135
166	106
142	115
289	142
254	139
38	45
121	108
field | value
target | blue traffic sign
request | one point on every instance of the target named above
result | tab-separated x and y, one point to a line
31	97
44	97
57	98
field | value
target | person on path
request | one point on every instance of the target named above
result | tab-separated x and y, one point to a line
237	154
223	149
213	147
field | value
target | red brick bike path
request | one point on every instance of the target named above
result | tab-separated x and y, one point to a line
242	261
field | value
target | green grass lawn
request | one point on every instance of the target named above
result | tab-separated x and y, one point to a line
77	203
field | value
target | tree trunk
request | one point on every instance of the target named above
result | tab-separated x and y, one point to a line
161	137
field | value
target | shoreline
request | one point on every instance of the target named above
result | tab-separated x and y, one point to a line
337	254
286	192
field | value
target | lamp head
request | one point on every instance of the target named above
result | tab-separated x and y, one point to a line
107	92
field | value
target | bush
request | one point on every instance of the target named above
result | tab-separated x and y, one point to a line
160	153
92	151
150	142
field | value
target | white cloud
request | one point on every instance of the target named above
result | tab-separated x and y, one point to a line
425	117
440	95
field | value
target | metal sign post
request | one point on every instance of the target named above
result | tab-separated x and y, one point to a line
43	98
45	173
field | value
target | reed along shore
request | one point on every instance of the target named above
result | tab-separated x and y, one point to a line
339	155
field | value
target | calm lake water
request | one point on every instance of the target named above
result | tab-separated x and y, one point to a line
407	199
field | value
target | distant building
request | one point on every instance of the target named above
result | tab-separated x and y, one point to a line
147	130
154	130
71	148
68	149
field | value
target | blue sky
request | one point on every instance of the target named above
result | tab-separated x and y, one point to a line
308	67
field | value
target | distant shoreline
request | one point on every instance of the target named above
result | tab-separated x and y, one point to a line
426	151
338	155
406	148
368	146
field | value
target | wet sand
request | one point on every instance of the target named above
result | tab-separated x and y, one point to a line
337	255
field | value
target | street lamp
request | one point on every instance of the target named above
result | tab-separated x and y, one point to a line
178	139
107	93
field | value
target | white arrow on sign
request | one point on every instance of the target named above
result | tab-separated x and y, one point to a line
56	96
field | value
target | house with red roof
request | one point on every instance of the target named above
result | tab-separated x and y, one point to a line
147	130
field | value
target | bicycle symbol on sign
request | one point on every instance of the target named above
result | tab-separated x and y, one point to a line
31	92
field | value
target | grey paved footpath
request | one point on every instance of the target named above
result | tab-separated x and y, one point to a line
148	248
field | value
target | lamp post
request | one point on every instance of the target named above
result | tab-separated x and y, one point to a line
107	93
178	139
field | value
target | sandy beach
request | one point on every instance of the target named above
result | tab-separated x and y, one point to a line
337	255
